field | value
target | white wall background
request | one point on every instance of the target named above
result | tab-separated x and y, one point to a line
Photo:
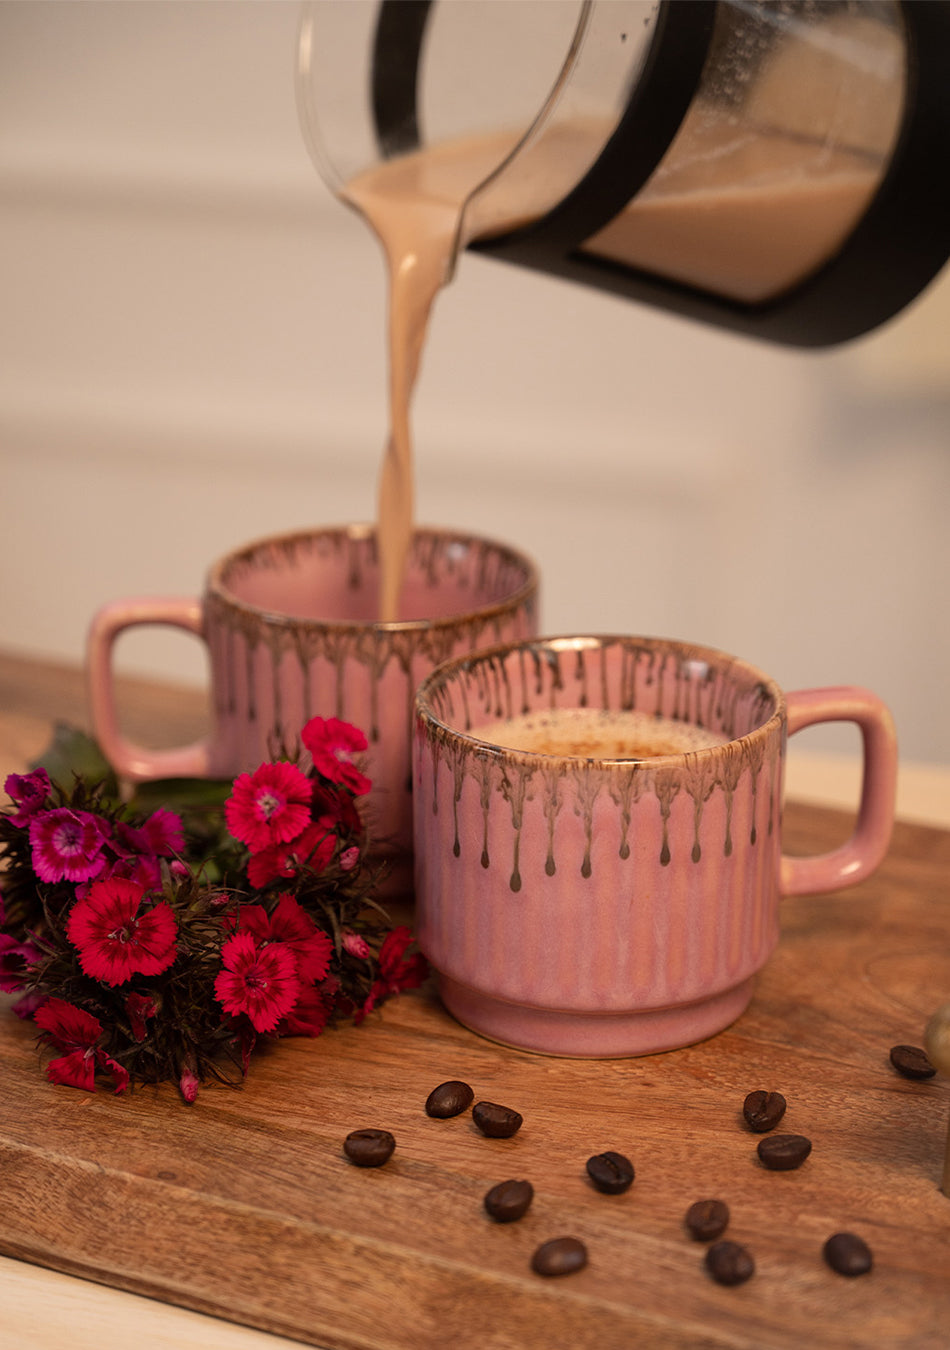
191	355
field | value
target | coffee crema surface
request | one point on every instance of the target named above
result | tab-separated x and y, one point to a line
595	733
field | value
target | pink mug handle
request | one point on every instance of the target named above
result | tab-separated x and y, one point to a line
128	759
856	859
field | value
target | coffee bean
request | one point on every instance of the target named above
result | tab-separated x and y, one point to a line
784	1152
449	1099
848	1254
560	1256
912	1062
611	1173
509	1200
498	1122
707	1219
763	1110
369	1148
728	1263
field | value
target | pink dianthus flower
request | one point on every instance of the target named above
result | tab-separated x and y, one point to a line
292	926
139	1007
15	957
260	982
114	940
269	806
308	1016
68	1028
67	845
139	848
28	792
312	848
396	972
332	745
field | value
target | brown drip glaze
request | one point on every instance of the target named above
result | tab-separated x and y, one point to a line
493	584
700	785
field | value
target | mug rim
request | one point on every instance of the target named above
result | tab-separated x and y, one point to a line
357	531
438	678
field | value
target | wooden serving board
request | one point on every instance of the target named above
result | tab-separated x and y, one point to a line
243	1205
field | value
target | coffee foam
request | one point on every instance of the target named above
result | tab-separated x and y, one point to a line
593	733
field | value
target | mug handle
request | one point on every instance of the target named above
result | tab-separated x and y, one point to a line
856	859
128	759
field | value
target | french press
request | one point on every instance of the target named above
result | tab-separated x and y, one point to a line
780	168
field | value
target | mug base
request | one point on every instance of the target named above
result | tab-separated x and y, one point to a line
579	1035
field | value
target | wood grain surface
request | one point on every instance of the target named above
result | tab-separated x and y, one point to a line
244	1206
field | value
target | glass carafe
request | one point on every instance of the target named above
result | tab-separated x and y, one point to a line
778	167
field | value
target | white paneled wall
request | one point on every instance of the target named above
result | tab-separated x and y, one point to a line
191	355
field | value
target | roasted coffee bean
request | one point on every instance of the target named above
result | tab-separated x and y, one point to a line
848	1254
728	1263
449	1099
707	1219
611	1173
912	1062
509	1200
560	1256
498	1122
763	1110
369	1148
784	1152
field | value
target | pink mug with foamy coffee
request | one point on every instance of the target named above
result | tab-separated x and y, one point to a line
598	836
290	624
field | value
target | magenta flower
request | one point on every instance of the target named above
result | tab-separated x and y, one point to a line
164	833
332	745
312	849
138	848
397	971
269	806
262	983
349	858
15	957
138	1008
355	944
292	926
337	806
114	940
145	872
28	791
68	1028
67	845
189	1082
307	1017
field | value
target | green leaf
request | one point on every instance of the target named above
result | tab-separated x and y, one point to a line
70	753
181	794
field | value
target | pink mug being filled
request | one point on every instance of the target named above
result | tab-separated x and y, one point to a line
598	844
290	625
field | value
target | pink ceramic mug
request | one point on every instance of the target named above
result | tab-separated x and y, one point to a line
289	624
611	887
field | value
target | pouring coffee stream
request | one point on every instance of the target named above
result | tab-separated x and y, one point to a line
770	168
413	204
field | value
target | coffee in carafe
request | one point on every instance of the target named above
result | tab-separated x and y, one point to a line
773	168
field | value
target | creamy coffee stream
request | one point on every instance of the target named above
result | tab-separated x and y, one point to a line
413	204
745	221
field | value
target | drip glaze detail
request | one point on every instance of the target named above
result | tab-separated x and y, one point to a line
669	680
287	642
